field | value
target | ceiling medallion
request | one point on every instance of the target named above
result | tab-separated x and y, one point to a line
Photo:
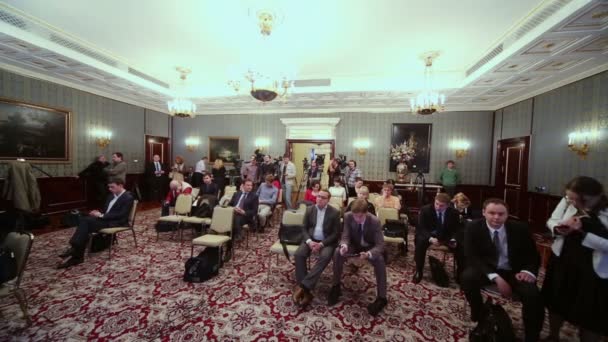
428	101
182	107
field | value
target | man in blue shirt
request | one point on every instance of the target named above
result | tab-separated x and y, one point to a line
267	194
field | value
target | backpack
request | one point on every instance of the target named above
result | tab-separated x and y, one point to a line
8	265
496	327
394	228
202	267
438	273
100	242
290	234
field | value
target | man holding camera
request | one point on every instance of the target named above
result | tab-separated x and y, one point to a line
267	167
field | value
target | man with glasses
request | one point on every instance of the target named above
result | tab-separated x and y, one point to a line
320	235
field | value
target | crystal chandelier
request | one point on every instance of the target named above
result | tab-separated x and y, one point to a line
428	101
181	106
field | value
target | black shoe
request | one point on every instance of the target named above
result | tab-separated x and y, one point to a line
377	306
417	277
70	262
68	252
334	295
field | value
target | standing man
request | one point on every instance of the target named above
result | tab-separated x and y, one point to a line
438	224
156	176
199	170
320	234
449	178
249	171
362	237
502	253
287	175
118	168
267	167
350	177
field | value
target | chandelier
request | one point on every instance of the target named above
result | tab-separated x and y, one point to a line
182	107
428	101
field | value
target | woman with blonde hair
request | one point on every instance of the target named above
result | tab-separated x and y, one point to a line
219	174
178	169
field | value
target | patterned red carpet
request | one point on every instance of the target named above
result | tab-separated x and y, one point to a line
139	296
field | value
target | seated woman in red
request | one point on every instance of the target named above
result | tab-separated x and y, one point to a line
311	194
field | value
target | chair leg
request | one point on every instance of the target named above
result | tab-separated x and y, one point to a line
22	299
269	267
134	238
110	249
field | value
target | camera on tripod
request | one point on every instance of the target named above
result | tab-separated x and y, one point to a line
305	164
342	161
259	156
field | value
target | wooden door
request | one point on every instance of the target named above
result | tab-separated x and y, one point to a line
157	145
512	174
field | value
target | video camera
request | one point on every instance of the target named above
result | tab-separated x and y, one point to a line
259	156
320	159
305	164
342	161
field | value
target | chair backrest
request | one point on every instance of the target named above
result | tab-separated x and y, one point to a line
20	244
133	213
350	199
221	221
292	218
372	197
183	204
336	201
387	214
229	189
280	196
335	205
301	208
195	192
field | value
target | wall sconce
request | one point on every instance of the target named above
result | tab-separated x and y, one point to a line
102	137
262	143
578	142
461	148
361	146
192	143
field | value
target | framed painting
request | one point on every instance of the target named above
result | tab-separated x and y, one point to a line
224	148
34	132
411	143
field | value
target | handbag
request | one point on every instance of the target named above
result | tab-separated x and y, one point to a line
100	242
438	273
203	267
8	265
394	228
290	234
495	327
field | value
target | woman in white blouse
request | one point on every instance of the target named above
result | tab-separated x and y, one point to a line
338	191
576	284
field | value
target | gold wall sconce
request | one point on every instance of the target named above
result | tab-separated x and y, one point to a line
192	143
262	143
102	137
461	148
362	146
579	142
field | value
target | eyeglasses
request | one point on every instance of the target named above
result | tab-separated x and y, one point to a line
322	197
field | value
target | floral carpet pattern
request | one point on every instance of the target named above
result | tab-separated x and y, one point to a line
139	295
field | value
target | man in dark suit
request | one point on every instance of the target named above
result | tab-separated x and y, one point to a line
363	238
320	234
115	214
156	178
502	253
245	203
438	224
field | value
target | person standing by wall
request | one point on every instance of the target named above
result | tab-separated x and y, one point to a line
118	168
97	179
449	178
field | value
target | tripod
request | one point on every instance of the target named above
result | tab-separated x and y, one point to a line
303	179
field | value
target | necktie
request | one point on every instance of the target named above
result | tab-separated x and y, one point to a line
157	164
361	233
241	203
496	242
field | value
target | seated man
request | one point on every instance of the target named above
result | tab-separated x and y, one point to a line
320	235
363	193
267	194
438	224
362	237
176	188
502	253
114	214
387	200
245	205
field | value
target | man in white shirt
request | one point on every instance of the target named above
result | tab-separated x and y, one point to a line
320	236
505	254
115	214
199	170
287	177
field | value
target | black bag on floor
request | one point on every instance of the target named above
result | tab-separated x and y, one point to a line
395	228
100	242
290	234
71	219
8	265
204	266
496	326
440	276
165	226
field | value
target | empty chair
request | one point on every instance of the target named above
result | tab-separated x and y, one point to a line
183	207
221	224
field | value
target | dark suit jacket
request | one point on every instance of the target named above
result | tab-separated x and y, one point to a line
372	234
150	169
250	206
429	225
208	189
480	252
331	225
119	214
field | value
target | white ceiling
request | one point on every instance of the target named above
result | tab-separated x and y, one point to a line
369	49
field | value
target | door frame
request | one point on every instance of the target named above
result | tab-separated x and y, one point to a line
166	153
289	144
499	179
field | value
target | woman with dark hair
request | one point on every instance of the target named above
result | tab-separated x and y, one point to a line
312	192
97	179
576	284
334	170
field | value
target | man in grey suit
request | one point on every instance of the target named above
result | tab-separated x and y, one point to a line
118	168
320	235
362	238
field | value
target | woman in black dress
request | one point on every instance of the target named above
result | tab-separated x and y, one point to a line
97	179
219	174
576	285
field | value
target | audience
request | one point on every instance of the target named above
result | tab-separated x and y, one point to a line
155	174
438	224
199	170
312	192
267	167
502	252
358	185
245	204
364	195
287	175
118	168
178	170
314	173
362	237
449	178
350	176
176	188
575	288
267	194
387	200
219	174
114	214
462	204
334	170
97	179
320	236
249	171
338	192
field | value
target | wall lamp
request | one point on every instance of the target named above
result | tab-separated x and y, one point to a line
102	137
461	147
262	143
579	142
361	146
192	143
